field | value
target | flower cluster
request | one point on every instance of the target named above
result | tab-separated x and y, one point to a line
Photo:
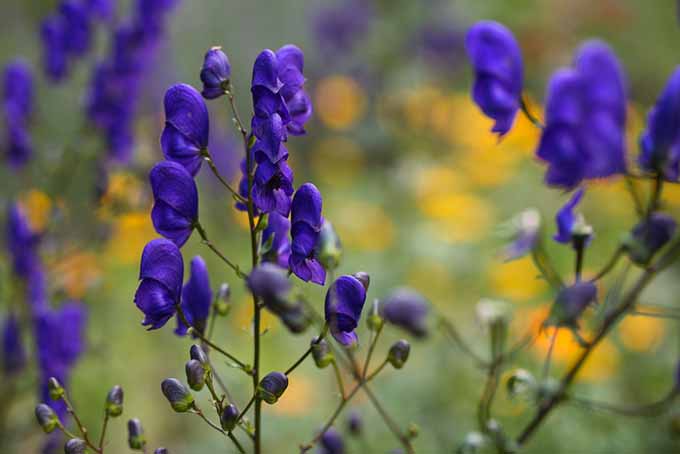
17	106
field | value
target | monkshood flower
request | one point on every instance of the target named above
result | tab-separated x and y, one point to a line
571	225
180	398
76	21
136	437
649	236
306	224
102	9
570	304
161	273
272	387
175	209
344	301
526	228
55	57
406	309
13	351
270	283
22	242
215	73
585	119
187	127
339	27
660	142
497	63
331	442
277	232
273	187
17	95
196	297
269	122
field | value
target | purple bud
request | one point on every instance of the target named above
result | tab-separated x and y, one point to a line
649	236
181	400
331	442
195	374
136	439
398	354
270	283
406	309
196	352
75	446
46	417
344	302
571	302
215	73
272	387
229	417
197	298
114	402
355	423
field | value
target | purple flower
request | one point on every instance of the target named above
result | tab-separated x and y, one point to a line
196	297
266	71
269	283
344	301
340	26
19	144
215	73
440	44
660	142
406	309
175	209
161	273
186	127
497	63
273	187
526	229
306	224
278	230
570	304
585	119
102	9
17	91
649	236
13	351
55	58
22	242
269	122
331	442
77	27
568	221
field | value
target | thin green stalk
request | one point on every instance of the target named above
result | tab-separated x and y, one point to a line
207	242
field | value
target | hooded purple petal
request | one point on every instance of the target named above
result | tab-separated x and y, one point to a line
406	309
175	208
196	297
344	301
306	207
215	73
162	261
566	218
266	71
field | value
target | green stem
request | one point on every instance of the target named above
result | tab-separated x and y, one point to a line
610	264
207	242
530	116
207	158
371	348
103	434
338	378
646	410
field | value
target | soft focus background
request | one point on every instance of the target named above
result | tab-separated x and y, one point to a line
416	186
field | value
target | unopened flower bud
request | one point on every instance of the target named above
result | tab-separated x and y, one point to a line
331	442
114	401
75	446
492	312
364	278
136	439
55	389
398	354
195	374
321	352
329	247
181	400
413	430
272	387
229	417
520	383
196	352
223	302
649	236
355	423
293	316
406	309
374	321
46	417
570	304
161	451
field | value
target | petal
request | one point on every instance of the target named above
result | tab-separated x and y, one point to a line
172	184
176	147
307	204
187	112
171	224
265	71
305	238
196	293
162	261
156	302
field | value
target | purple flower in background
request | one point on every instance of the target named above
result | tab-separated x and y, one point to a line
102	9
570	304
77	26
13	351
406	309
19	144
215	73
339	27
273	187
649	236
55	57
526	229
278	230
270	283
568	221
187	127
161	273
441	45
497	63
196	297
585	119
344	301
175	209
306	224
17	93
22	242
331	442
660	142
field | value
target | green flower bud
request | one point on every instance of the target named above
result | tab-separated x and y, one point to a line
413	430
75	446
374	321
196	352
321	352
56	390
272	387
114	402
195	374
181	400
229	417
46	417
398	354
223	302
136	439
329	247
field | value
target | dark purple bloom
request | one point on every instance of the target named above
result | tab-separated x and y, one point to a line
175	209
13	351
649	236
266	71
19	144
161	273
273	187
278	230
215	73
22	242
272	387
78	29
497	63
291	63
331	442
660	142
196	297
17	93
406	309
186	127
340	26
344	301
441	44
570	304
270	283
300	110
55	57
306	224
567	220
307	205
585	119
103	9
269	122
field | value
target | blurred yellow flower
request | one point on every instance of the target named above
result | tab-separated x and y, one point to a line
417	106
77	272
517	280
241	218
124	192
437	180
244	316
38	207
640	333
342	155
130	232
606	190
300	395
339	102
457	217
364	226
